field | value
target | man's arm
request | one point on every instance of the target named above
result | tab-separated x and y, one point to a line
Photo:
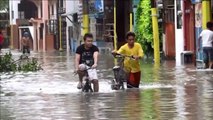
199	40
140	52
77	59
212	39
95	56
120	51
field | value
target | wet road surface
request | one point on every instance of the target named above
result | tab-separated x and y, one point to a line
167	92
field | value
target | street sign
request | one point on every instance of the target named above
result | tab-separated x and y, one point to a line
96	6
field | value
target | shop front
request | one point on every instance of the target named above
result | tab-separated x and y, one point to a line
203	14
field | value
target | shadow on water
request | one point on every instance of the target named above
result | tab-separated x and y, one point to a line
167	92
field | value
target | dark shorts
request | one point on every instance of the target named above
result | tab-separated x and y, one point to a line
26	49
207	54
134	80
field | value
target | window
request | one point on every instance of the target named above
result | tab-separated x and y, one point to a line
4	19
41	30
61	3
21	14
3	16
52	10
52	26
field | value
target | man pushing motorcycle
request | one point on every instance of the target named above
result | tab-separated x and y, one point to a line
131	66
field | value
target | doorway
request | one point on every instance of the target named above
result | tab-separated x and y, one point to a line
169	30
122	17
30	30
189	26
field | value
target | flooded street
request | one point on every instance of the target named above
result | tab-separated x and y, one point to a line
167	92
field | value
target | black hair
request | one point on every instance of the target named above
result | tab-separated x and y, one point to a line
88	35
130	34
209	25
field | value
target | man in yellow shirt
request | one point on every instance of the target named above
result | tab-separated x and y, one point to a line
132	66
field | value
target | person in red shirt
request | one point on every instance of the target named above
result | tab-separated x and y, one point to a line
1	40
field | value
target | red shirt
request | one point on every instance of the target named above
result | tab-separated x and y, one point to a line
1	39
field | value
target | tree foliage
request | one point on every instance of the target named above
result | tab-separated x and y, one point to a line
8	64
143	26
4	4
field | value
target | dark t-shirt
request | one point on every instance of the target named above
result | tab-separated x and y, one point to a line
86	56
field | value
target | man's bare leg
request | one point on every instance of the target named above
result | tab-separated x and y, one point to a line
81	75
206	65
211	65
95	85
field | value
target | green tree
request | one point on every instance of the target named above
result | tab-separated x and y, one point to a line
4	4
143	26
24	63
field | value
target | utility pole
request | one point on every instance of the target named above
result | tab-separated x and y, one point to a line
130	16
115	33
59	11
85	16
155	32
206	11
58	36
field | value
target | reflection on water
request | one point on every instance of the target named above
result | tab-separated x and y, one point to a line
167	92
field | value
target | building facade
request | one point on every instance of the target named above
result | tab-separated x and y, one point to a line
59	24
40	18
183	21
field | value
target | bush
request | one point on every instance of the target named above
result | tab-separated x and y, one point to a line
7	63
24	63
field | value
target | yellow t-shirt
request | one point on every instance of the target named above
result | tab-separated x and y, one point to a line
129	64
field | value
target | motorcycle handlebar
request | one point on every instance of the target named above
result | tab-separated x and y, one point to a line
117	55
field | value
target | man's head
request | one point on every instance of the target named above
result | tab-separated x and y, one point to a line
88	39
209	25
130	38
26	34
